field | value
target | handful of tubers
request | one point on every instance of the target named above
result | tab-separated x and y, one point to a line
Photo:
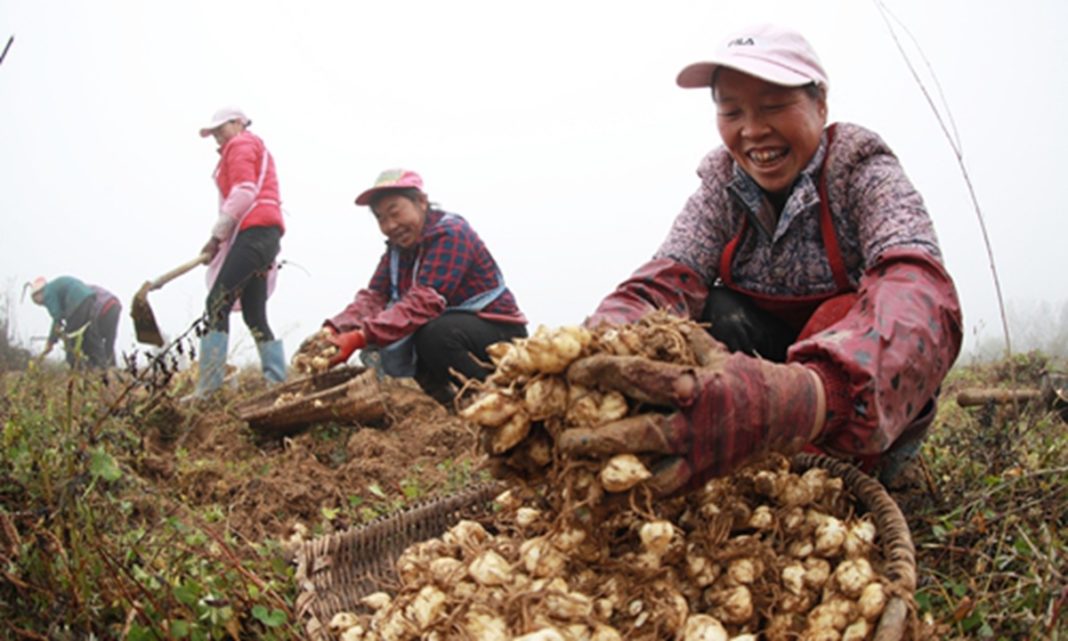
315	354
580	550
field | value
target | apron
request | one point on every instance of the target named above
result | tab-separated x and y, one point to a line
215	266
814	313
398	359
798	311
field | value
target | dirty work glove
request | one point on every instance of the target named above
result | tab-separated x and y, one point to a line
347	343
731	410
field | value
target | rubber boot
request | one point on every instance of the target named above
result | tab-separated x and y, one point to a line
273	361
212	364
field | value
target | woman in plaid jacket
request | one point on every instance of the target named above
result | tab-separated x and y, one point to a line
436	300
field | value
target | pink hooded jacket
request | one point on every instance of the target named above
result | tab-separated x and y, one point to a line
248	196
246	178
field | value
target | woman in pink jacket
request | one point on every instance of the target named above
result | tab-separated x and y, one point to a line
815	263
242	248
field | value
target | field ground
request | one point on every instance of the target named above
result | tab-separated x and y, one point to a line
126	515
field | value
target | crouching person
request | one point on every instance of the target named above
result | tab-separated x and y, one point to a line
436	300
815	264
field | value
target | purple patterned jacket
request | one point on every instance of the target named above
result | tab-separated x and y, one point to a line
884	360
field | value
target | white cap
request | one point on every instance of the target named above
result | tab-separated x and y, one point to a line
35	287
223	116
776	54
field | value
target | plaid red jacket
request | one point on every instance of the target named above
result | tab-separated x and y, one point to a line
449	265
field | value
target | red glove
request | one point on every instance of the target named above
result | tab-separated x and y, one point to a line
731	410
347	343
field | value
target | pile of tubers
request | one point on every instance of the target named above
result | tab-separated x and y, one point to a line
285	398
579	550
315	354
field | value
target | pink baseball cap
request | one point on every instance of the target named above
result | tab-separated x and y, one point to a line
391	179
223	116
776	54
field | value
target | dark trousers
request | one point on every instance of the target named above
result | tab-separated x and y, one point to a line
95	346
244	277
739	324
99	345
74	342
454	340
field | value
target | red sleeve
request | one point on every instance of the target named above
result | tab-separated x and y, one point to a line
368	301
380	324
887	357
658	284
418	306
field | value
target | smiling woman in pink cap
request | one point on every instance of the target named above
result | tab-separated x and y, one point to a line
436	300
241	250
814	261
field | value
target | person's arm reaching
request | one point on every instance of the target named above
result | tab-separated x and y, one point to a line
658	284
887	357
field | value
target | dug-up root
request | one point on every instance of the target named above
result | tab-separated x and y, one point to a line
314	358
581	551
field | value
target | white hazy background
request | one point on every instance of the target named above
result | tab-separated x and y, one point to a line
555	128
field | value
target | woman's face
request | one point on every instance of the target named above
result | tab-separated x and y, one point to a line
224	132
771	131
400	219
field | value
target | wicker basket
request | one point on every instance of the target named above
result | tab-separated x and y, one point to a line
894	534
348	394
335	572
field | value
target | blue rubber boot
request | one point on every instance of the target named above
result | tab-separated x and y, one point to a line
212	363
273	361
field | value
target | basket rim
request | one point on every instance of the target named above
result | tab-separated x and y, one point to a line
898	548
262	406
344	375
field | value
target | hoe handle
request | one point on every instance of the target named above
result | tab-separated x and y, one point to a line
177	271
970	397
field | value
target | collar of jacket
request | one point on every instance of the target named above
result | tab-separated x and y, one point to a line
244	134
804	195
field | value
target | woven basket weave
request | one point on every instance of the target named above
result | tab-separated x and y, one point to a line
897	547
335	572
345	394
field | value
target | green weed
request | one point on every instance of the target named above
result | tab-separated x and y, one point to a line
992	544
88	550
